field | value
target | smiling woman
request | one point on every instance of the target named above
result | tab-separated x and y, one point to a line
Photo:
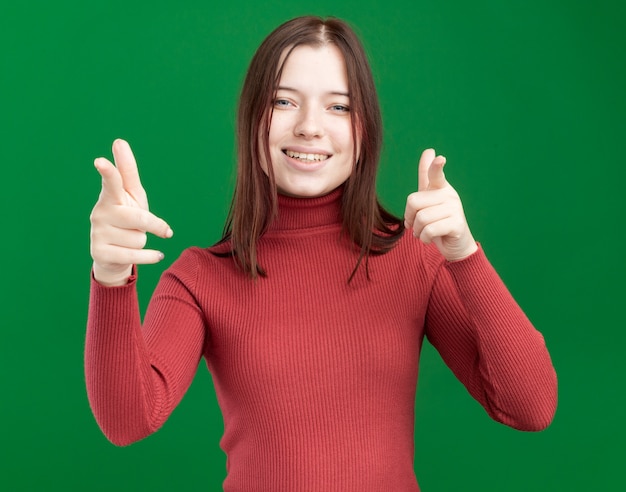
336	68
315	363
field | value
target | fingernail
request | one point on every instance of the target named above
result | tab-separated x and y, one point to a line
160	255
169	232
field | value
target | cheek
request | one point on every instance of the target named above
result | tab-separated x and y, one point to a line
280	126
269	140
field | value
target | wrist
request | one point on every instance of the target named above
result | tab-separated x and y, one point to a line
465	253
111	278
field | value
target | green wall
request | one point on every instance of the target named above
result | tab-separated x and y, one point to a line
527	101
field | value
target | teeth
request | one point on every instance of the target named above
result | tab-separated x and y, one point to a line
306	157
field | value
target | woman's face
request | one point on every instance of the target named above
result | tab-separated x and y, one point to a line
310	137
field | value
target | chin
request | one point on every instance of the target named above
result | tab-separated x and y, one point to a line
305	191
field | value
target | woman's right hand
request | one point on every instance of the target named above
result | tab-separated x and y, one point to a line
120	220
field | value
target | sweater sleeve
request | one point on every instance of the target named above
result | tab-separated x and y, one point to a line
136	375
490	345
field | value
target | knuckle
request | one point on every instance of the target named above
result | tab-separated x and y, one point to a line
96	236
422	218
96	214
141	240
427	232
142	220
103	255
94	240
95	251
101	214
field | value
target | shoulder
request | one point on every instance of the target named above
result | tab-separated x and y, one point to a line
201	264
196	257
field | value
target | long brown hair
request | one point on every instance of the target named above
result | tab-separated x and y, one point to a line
254	204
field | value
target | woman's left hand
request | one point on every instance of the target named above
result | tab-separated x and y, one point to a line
435	212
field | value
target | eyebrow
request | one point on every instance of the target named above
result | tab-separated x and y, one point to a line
291	89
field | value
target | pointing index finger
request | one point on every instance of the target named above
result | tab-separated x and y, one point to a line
422	171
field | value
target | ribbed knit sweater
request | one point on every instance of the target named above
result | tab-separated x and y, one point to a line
315	377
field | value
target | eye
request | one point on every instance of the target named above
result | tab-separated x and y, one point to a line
281	103
340	108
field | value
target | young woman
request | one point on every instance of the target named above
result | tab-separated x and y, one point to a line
311	310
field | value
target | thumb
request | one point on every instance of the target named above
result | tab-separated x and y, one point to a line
436	177
112	184
127	167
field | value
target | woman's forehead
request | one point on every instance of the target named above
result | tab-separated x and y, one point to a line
315	67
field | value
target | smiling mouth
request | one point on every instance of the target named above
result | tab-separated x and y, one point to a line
304	157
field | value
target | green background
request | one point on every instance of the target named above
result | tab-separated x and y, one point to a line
526	100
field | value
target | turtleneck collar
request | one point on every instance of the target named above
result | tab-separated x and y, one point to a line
304	213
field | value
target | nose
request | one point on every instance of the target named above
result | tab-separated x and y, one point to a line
309	123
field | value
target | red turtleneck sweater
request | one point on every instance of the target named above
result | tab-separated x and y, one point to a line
315	377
